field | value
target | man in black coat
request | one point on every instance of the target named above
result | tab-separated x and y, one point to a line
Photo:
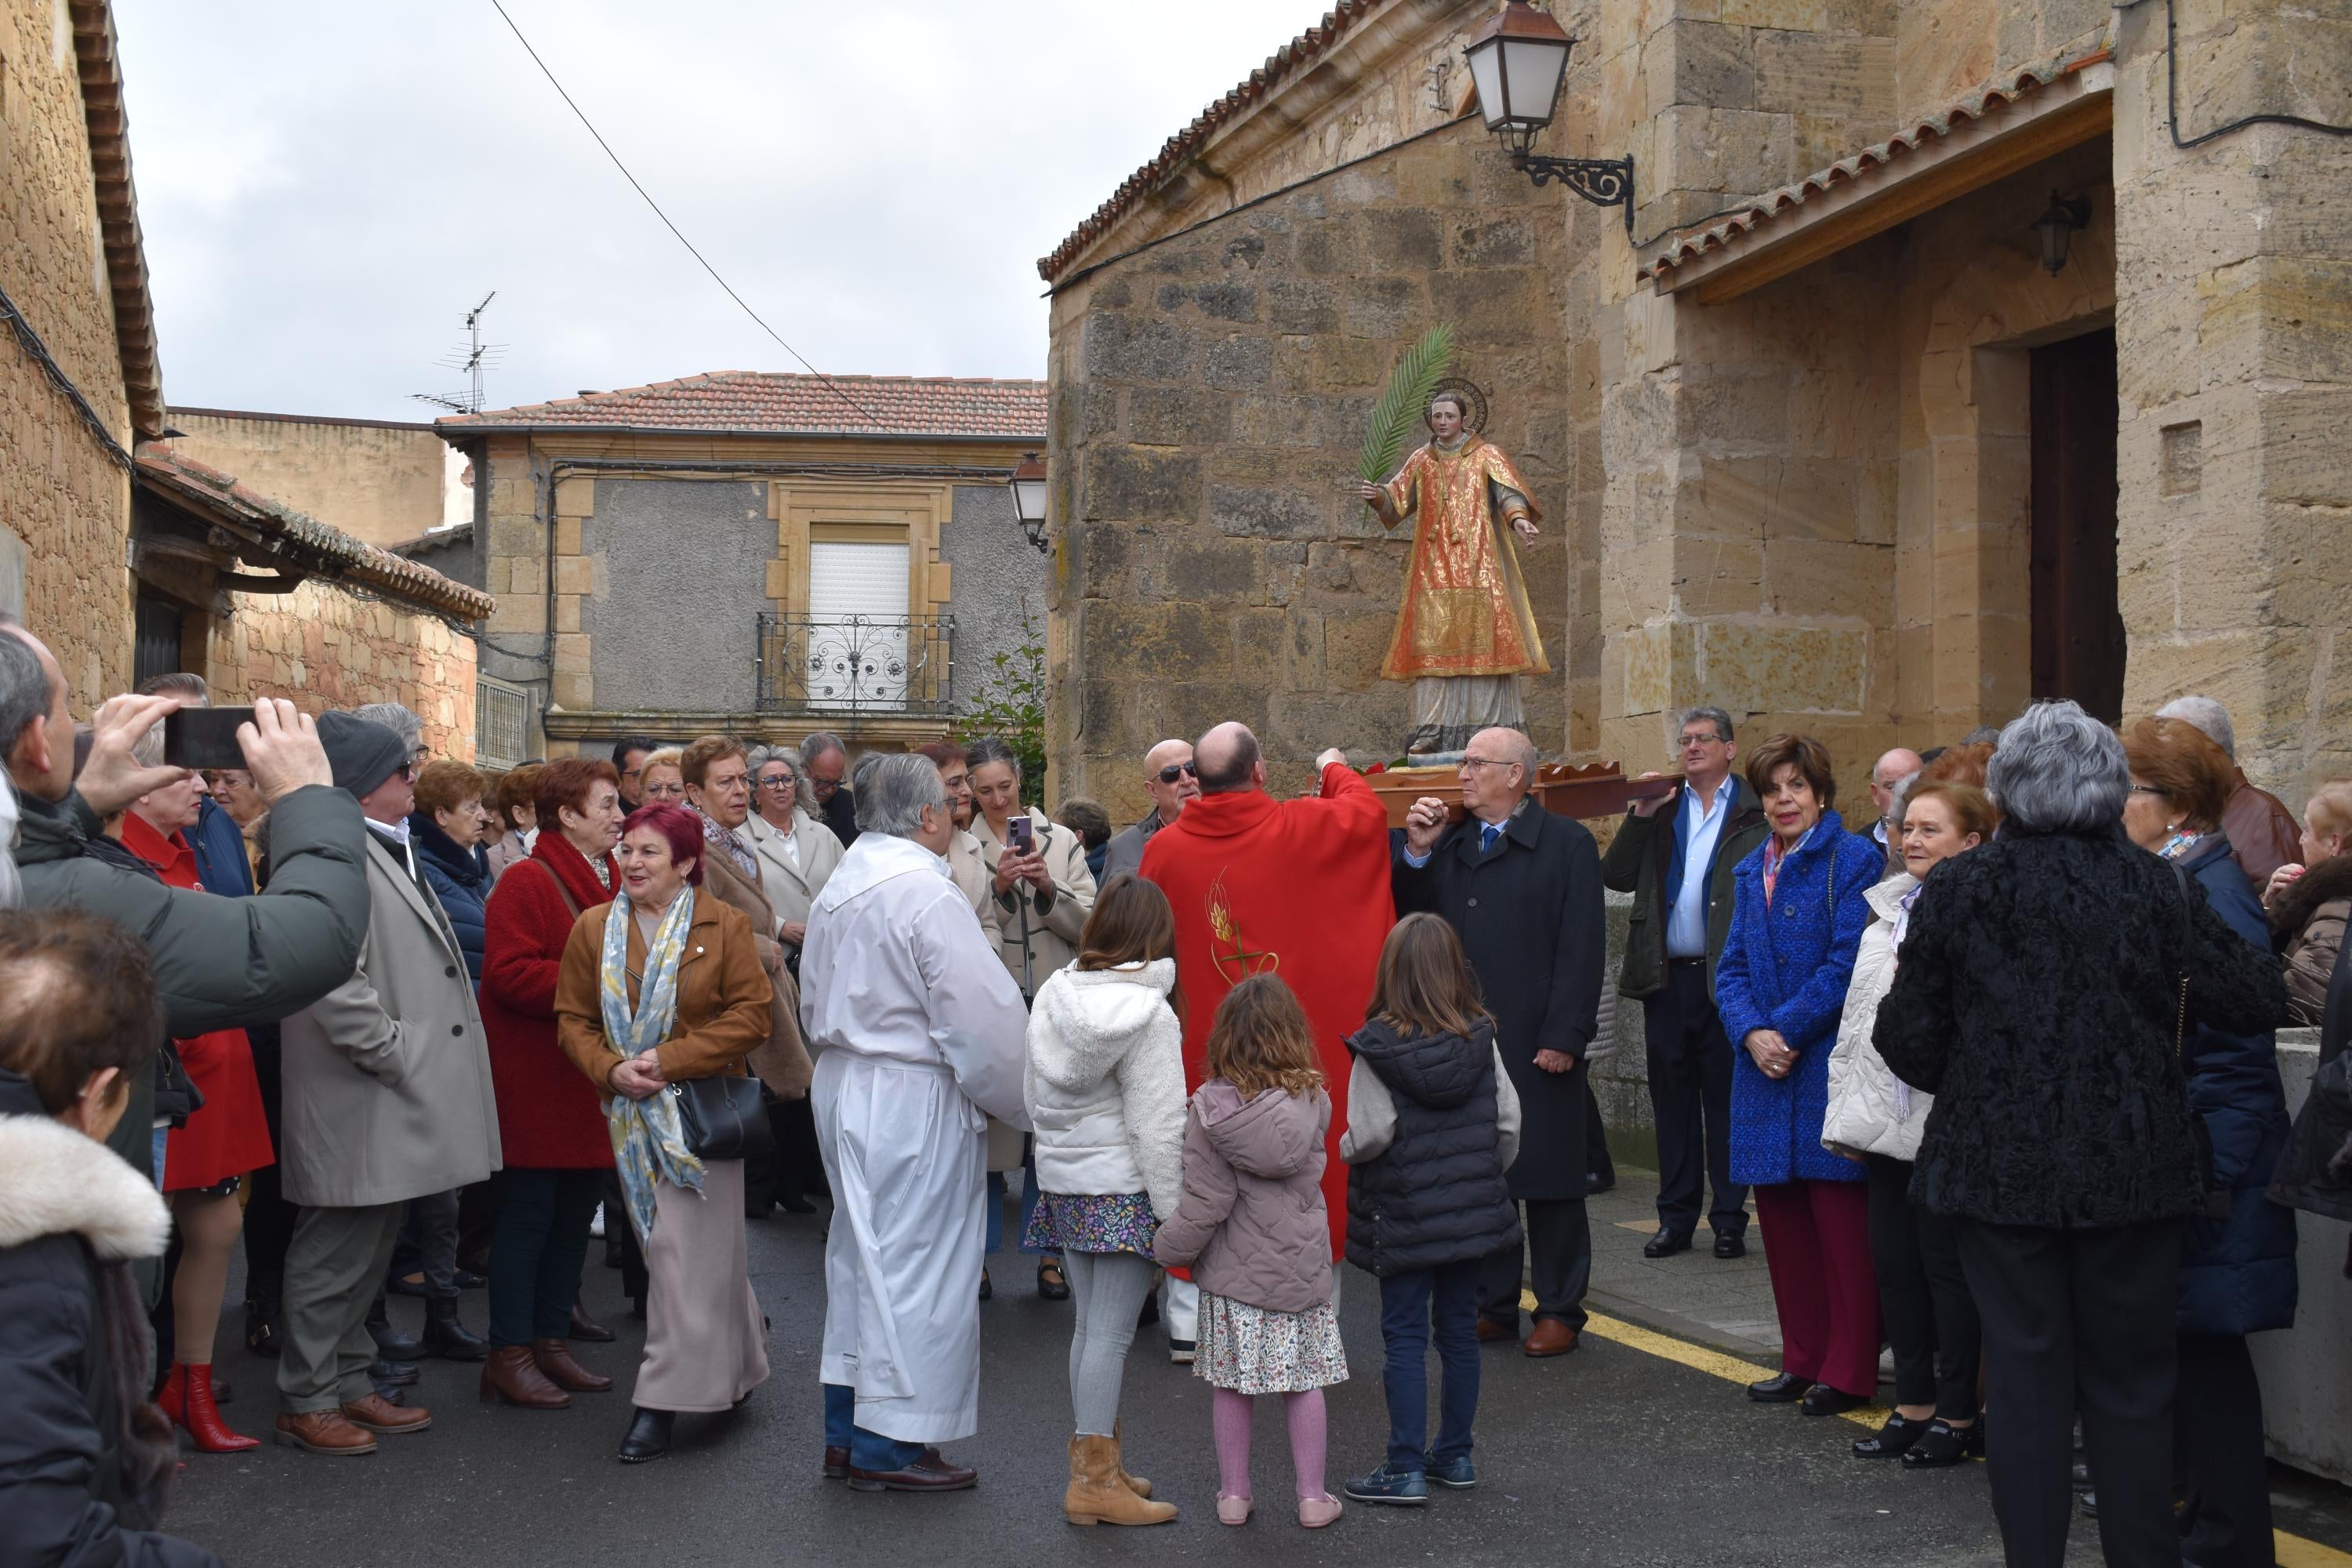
1523	888
826	762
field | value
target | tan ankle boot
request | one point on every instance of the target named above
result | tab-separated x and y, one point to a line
1099	1496
1135	1484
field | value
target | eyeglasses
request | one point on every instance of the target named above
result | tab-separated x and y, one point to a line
1487	762
777	780
2148	789
1175	771
1690	741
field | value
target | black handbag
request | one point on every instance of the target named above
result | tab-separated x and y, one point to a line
723	1118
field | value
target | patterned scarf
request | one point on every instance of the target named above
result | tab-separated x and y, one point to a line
2178	845
647	1141
727	839
1774	855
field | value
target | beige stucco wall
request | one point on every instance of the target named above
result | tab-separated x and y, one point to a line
383	482
66	504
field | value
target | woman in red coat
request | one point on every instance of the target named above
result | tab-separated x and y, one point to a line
224	1139
550	1124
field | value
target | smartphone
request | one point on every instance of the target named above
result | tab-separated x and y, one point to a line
203	737
1023	840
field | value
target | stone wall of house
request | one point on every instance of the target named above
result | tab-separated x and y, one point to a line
1209	396
2233	319
1946	49
380	481
320	646
67	506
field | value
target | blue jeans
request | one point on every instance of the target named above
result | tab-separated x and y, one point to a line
1441	1302
867	1451
997	1188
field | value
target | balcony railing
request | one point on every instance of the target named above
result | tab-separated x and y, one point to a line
843	666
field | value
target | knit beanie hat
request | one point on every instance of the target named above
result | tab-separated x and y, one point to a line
362	753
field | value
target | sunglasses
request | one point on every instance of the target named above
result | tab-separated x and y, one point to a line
1175	771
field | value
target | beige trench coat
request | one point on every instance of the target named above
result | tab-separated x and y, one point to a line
387	1077
1053	931
792	883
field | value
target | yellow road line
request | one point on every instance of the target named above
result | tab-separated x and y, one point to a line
2292	1550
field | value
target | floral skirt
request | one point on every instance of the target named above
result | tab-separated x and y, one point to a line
1091	1223
1249	1350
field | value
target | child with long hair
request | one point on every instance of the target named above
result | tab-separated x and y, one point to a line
1252	1225
1433	1125
1106	1092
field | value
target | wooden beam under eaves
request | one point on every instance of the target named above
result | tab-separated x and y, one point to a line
2065	114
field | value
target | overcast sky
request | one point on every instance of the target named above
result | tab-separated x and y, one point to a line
326	189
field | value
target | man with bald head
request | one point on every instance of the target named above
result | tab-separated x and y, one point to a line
1886	776
1298	889
1522	888
1171	779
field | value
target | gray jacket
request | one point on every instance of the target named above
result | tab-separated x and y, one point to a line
387	1077
1124	851
1252	1222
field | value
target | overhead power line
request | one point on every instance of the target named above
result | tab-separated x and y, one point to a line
830	384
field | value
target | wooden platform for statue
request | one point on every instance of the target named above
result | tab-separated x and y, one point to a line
1596	789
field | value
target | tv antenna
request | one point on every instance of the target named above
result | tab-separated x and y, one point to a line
472	356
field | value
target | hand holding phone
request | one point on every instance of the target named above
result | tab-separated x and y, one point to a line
1021	837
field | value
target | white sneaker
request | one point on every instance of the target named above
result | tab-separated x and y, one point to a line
596	1225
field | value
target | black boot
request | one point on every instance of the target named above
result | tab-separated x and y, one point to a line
390	1342
386	1374
649	1436
447	1337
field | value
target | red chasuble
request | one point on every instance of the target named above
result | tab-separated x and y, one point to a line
1294	887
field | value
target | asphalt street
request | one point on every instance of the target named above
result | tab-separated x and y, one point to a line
1612	1455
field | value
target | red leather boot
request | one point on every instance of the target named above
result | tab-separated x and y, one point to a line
194	1411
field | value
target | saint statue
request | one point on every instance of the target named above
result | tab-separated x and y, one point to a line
1464	636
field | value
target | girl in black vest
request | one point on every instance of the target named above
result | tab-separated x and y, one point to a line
1432	1124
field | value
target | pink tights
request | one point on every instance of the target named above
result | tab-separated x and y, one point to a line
1229	1418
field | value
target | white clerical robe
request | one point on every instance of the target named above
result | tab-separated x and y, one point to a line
917	1030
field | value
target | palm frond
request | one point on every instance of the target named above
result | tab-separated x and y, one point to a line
1416	375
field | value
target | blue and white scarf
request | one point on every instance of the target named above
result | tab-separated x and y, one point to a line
647	1141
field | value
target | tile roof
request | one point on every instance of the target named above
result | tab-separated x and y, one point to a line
1990	98
763	403
1284	62
214	494
100	70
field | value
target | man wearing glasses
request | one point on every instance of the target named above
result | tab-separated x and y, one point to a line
826	762
1676	856
1171	779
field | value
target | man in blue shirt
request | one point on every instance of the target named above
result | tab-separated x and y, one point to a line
1675	855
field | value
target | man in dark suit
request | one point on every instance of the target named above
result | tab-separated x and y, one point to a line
1676	856
826	762
1523	888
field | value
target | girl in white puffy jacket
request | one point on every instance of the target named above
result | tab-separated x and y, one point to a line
1106	1090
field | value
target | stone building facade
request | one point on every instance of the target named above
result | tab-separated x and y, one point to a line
1821	439
714	553
385	482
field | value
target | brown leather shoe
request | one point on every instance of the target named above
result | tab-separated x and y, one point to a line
927	1472
1492	1329
1551	1337
321	1432
584	1327
511	1375
378	1414
836	1464
554	1359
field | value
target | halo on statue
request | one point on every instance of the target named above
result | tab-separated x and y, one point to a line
1473	402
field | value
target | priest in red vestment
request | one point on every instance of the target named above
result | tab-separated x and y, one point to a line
1294	887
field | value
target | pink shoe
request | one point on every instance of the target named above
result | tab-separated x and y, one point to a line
1315	1513
1233	1509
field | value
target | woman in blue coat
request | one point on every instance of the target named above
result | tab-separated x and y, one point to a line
1797	914
2237	1260
445	832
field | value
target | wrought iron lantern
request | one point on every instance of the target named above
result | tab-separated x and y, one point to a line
1028	486
2057	225
1518	65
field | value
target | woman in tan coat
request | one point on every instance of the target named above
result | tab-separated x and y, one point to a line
691	958
2310	901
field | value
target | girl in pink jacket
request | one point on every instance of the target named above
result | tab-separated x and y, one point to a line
1252	1225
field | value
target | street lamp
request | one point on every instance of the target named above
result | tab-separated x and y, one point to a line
1028	486
1518	65
2057	225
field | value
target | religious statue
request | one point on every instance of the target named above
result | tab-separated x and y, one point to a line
1464	634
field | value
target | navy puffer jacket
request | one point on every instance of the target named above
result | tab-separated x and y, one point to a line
459	880
1438	1194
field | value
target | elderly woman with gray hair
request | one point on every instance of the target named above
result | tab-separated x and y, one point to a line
2046	982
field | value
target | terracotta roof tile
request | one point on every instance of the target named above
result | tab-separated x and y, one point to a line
1281	64
766	403
207	491
2003	90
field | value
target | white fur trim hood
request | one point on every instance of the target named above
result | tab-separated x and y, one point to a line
57	1182
1106	1083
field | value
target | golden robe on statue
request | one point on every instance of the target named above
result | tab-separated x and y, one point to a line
1466	617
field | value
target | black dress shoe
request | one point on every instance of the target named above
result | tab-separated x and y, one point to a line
1891	1440
1054	1289
1823	1400
1596	1183
796	1206
1780	1388
467	1279
265	1332
447	1337
1944	1443
385	1373
1730	1243
1666	1243
390	1342
649	1436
